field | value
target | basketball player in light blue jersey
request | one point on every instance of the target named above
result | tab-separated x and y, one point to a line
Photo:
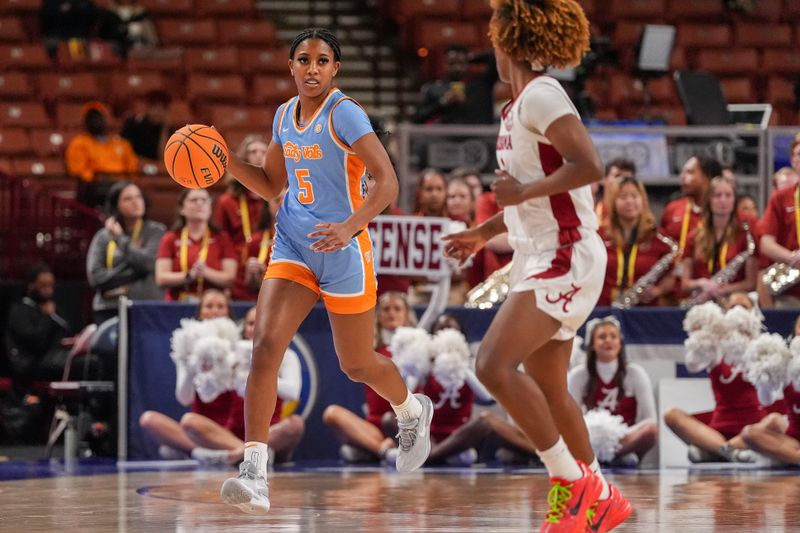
322	146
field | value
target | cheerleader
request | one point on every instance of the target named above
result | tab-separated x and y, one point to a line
718	437
370	438
608	381
632	244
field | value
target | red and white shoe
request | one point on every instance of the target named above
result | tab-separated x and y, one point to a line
607	514
569	501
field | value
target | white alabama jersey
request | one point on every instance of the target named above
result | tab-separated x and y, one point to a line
524	152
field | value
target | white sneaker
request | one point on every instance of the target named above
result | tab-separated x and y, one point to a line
414	438
211	458
249	492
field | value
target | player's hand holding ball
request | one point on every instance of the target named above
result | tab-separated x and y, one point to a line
196	156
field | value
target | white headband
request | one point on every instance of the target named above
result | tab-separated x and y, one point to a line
593	323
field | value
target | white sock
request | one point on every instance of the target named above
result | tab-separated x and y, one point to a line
559	462
409	409
256	453
595	468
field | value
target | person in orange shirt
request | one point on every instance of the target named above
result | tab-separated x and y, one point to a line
97	151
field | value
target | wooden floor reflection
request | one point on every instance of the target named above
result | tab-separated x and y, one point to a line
383	501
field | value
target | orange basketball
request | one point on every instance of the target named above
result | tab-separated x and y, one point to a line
196	156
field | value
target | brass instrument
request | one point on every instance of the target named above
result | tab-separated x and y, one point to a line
492	292
779	277
731	269
633	294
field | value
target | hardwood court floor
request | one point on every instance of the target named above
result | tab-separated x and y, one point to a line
375	500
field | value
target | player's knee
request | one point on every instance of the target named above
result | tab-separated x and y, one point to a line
266	352
357	372
488	373
189	422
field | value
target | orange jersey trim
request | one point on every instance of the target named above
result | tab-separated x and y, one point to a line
301	129
359	303
295	272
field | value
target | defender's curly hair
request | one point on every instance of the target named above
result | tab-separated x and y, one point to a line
554	33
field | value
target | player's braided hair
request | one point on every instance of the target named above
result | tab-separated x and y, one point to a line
317	33
549	32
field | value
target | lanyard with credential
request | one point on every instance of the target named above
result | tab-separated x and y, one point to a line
723	258
112	245
264	248
797	214
621	263
185	253
684	229
244	211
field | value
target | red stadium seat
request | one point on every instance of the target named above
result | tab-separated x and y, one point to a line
38	166
12	30
212	60
781	61
678	60
69	86
247	32
763	35
240	117
216	8
662	90
272	89
779	91
734	61
408	9
183	32
163	59
597	88
51	142
476	10
70	115
24	57
628	33
132	85
607	114
588	6
768	9
696	9
14	85
20	6
704	35
623	89
738	90
672	115
205	87
15	142
180	114
99	55
273	60
439	34
170	8
23	115
640	9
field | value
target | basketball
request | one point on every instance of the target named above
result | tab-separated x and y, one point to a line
196	156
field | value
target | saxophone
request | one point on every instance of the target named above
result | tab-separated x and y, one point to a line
631	296
731	269
492	292
779	277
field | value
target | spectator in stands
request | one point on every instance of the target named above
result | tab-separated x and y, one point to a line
709	269
779	239
608	381
461	208
238	212
212	432
195	254
148	130
135	25
746	207
472	177
634	246
369	437
98	157
459	98
431	194
122	256
616	170
498	252
716	436
66	20
255	257
35	333
785	177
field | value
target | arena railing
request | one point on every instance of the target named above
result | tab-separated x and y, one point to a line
658	151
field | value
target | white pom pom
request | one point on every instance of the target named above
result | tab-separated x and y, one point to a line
183	340
765	363
450	370
741	326
211	365
223	328
605	433
702	316
449	340
702	350
410	349
241	358
793	368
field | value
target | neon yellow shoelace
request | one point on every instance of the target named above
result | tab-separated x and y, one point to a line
590	514
557	499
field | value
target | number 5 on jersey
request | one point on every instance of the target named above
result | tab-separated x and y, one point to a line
306	194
